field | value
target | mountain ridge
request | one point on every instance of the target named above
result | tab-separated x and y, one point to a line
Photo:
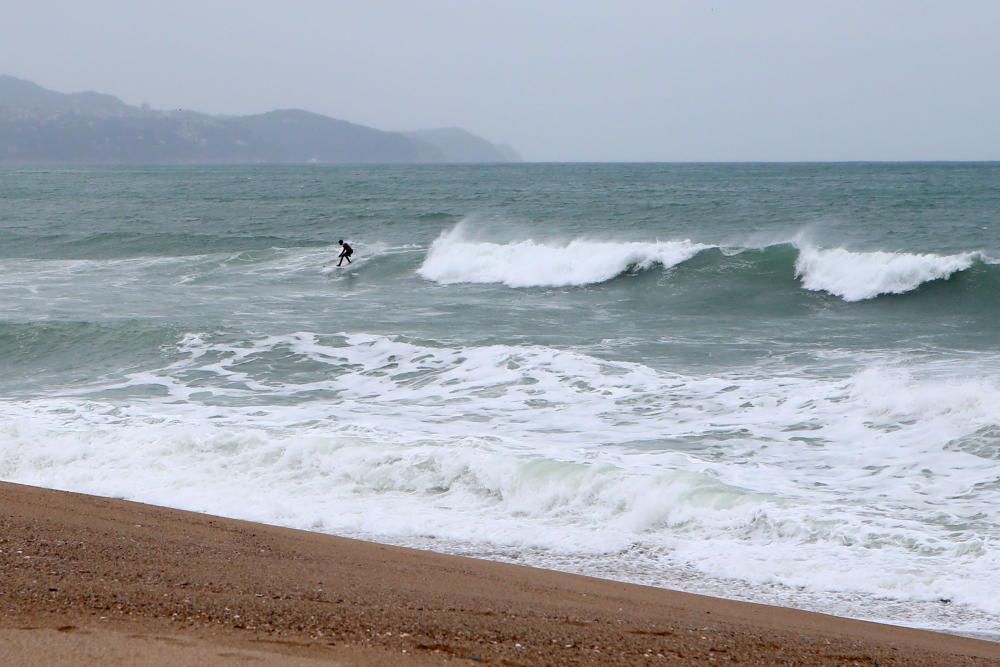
42	125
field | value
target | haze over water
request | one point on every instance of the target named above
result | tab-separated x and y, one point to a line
770	382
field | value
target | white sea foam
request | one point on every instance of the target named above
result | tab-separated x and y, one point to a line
856	276
562	457
455	258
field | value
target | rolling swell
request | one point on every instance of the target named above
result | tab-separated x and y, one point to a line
845	275
850	276
770	281
36	352
771	276
120	245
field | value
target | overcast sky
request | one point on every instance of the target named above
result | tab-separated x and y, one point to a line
559	80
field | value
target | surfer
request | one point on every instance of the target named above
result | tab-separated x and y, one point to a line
345	253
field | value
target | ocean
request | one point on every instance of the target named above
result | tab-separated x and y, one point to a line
768	382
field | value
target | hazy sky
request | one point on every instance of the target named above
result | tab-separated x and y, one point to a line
559	80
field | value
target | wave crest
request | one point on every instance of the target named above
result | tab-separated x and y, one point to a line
455	259
856	276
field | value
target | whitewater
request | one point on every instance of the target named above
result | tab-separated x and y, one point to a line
853	276
663	377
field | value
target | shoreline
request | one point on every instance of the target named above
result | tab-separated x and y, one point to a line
88	580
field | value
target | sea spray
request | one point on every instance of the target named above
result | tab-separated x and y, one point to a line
455	259
856	276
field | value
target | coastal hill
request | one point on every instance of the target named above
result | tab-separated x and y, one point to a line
39	125
462	146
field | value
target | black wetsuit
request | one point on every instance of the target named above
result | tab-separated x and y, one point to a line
345	253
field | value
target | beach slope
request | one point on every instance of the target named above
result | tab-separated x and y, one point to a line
88	580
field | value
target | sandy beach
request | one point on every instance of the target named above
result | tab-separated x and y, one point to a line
88	580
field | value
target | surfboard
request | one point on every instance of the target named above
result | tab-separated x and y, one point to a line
333	268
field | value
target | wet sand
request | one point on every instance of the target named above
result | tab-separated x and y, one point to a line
95	581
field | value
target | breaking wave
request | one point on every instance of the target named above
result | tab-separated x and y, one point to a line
856	276
455	258
557	456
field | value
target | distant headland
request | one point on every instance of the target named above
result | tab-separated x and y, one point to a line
43	126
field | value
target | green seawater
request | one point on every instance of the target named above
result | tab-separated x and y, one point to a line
780	375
